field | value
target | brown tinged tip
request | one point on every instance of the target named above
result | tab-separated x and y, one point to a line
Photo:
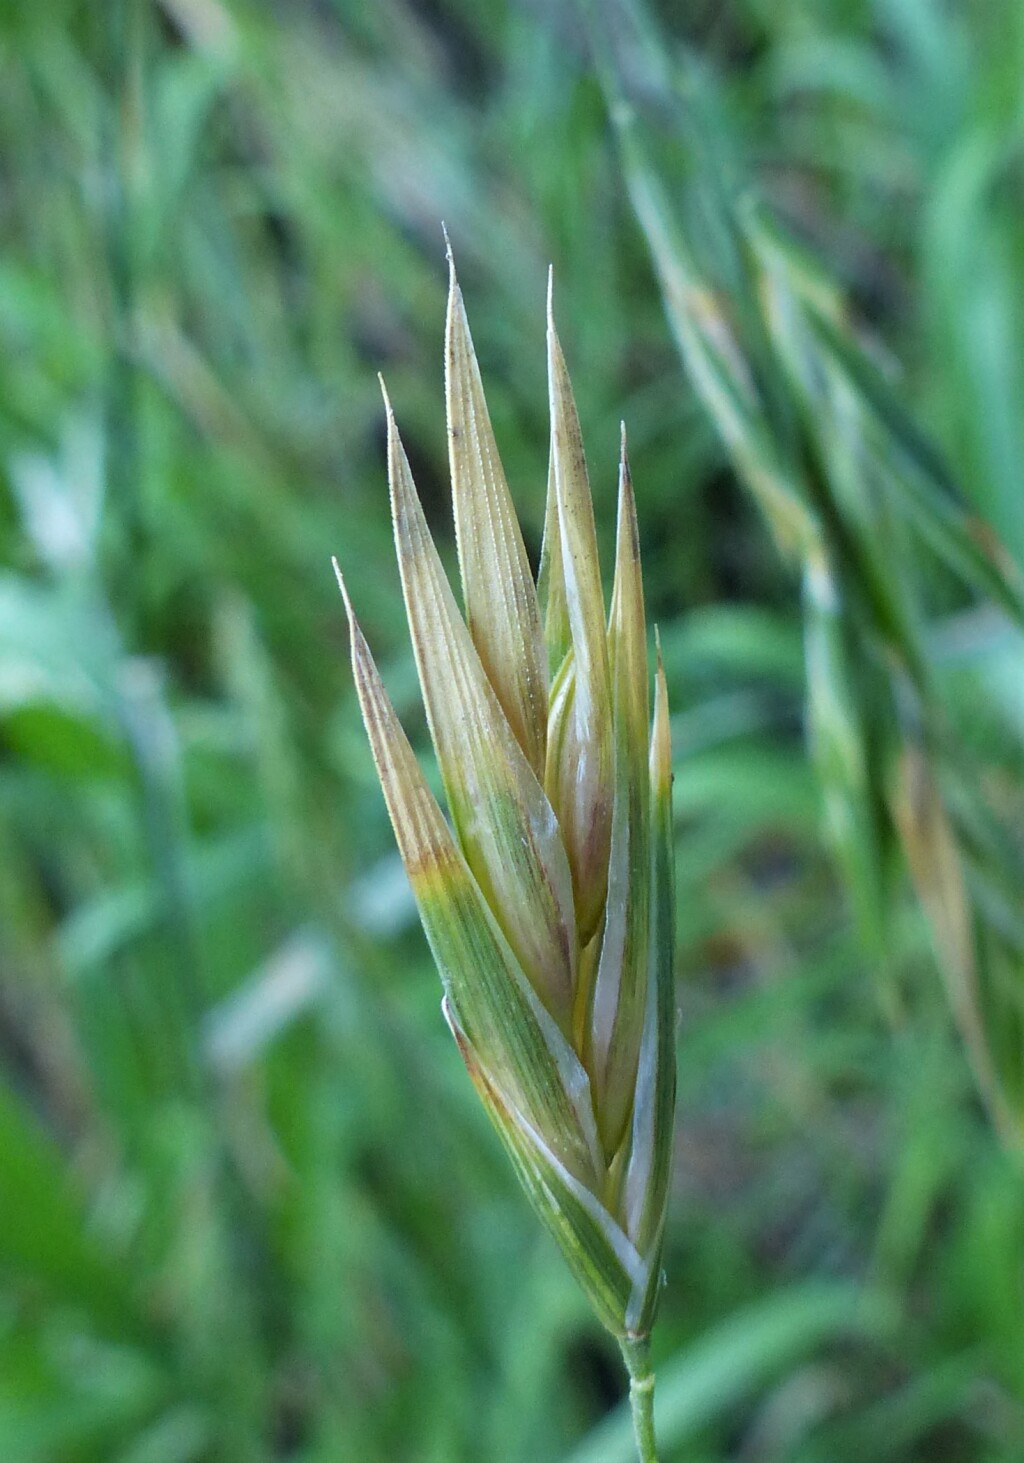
456	310
453	283
396	454
357	640
344	591
551	298
360	651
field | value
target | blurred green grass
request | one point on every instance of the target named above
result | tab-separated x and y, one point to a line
248	1209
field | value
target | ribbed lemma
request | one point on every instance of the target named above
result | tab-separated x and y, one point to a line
579	774
620	986
501	603
502	817
495	1003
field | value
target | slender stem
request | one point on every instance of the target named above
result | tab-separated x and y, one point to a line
637	1355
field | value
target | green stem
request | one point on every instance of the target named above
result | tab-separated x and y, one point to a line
636	1353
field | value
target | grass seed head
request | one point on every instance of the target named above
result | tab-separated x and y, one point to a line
547	895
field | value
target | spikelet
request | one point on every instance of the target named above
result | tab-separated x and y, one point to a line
547	893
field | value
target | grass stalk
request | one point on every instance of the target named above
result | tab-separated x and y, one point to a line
637	1356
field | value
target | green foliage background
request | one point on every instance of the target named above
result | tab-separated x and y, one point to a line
249	1208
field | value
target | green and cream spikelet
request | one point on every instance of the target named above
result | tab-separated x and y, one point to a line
548	897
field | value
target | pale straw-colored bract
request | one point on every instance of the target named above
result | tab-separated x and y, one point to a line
547	894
